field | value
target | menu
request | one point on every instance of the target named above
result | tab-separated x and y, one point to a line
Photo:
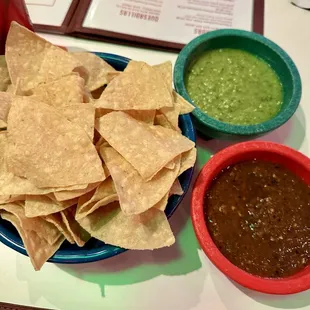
51	15
165	23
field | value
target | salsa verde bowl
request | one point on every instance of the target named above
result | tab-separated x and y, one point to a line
94	249
289	158
256	45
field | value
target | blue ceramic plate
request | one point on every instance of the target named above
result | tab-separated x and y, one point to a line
95	250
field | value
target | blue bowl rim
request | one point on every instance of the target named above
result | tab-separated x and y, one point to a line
9	239
229	129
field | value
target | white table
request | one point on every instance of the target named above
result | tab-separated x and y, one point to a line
180	277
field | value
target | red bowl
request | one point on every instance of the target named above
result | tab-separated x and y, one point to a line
268	151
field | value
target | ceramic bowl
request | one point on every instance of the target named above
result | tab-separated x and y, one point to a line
267	151
95	250
257	45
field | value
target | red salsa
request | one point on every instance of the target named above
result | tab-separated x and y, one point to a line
258	215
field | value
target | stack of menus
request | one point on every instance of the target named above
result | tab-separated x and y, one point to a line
162	23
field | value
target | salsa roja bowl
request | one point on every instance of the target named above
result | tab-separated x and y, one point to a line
292	160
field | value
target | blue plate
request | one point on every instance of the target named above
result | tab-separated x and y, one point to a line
95	250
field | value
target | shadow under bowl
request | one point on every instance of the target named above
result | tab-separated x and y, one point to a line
257	45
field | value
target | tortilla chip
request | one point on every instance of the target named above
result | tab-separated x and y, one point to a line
147	231
188	160
35	60
176	188
66	195
11	198
185	106
11	89
79	235
135	66
104	194
47	149
170	165
172	116
11	185
162	120
43	205
162	204
147	148
56	219
146	116
111	76
38	249
82	114
165	70
5	105
137	90
42	228
66	91
3	125
98	69
136	195
5	80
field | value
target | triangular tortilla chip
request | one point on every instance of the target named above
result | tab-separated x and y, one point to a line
47	149
15	89
162	204
165	70
162	120
42	228
66	91
146	116
147	148
170	165
136	195
185	106
11	185
111	76
98	69
82	114
3	125
147	231
135	66
79	235
5	80
43	205
137	90
176	188
35	60
38	249
11	198
172	115
188	160
104	194
5	105
66	195
56	219
11	89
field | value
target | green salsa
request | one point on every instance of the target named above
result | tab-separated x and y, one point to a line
234	86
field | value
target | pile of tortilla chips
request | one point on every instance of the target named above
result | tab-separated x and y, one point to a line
73	167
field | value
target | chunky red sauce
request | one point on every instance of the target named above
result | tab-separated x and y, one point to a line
258	215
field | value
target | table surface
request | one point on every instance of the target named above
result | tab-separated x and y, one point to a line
180	277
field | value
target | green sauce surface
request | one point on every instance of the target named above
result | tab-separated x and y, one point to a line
234	86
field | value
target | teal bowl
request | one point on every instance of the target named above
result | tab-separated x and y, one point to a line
95	250
257	45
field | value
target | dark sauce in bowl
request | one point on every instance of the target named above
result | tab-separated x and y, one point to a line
258	215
